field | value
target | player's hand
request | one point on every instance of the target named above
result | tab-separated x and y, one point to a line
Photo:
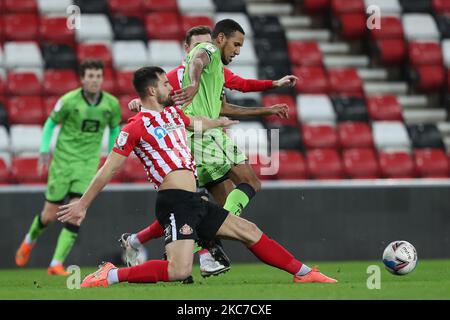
135	105
225	122
185	95
280	110
43	163
73	212
286	81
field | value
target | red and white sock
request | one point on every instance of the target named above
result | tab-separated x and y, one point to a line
153	231
149	272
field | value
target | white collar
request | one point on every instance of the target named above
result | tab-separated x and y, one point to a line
152	112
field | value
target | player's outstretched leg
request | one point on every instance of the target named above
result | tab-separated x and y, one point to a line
64	245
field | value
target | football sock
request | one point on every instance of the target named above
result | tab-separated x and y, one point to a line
113	276
36	229
134	241
66	240
204	255
238	199
150	271
153	231
273	254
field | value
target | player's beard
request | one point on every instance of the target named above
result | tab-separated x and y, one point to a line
165	101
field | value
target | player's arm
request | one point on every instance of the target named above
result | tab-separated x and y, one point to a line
235	82
198	62
201	124
113	132
234	111
76	211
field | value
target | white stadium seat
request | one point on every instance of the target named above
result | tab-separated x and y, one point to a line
315	109
446	52
6	157
162	52
250	137
247	56
390	136
196	6
1	57
22	55
94	27
386	6
420	26
53	7
4	140
240	18
25	138
129	54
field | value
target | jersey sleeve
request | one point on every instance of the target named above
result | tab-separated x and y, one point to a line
60	111
116	115
183	117
235	82
209	48
126	140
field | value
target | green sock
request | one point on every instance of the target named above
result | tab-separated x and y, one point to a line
66	240
236	201
36	229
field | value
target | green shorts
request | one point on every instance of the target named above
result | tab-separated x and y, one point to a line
68	180
214	153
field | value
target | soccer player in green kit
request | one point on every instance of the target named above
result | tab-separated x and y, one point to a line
83	114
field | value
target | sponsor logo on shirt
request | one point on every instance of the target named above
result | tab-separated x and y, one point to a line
160	132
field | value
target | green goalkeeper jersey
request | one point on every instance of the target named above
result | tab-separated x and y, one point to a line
208	100
82	126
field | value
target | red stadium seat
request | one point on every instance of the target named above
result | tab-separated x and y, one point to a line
48	104
126	113
396	165
54	30
384	108
311	80
187	22
2	32
324	164
161	5
58	82
345	82
430	77
421	53
133	170
319	136
94	51
292	165
391	51
125	82
316	5
360	163
431	163
353	25
346	6
25	110
258	162
25	170
23	84
2	87
21	27
127	8
172	27
4	172
118	177
109	81
441	7
305	53
391	28
272	99
354	135
22	6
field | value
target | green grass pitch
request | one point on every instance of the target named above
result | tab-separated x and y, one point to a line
430	280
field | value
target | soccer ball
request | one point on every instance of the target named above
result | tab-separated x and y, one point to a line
400	257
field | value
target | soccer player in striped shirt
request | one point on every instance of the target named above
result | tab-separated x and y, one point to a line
158	137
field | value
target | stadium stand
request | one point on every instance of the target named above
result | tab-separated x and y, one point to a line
369	103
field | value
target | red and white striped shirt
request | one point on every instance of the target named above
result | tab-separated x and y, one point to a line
159	140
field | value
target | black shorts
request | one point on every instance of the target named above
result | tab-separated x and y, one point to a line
185	215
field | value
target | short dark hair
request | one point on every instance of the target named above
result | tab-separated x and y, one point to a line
90	64
146	77
196	31
227	27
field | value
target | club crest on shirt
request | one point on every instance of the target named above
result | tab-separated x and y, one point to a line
186	230
122	139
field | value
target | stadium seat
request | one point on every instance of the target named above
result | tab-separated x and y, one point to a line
268	27
292	165
416	5
347	6
133	170
425	136
352	25
273	71
324	164
421	53
129	54
354	135
24	170
125	82
4	172
384	108
164	52
161	5
441	7
431	163
390	136
443	23
271	51
172	27
446	52
392	29
88	6
272	99
319	136
20	27
125	112
128	28
94	51
59	56
3	116
96	27
189	21
25	138
23	84
25	110
395	165
5	144
262	166
390	51
250	137
247	55
284	137
22	55
127	8
230	6
59	7
311	80
314	6
345	82
196	6
305	54
428	78
386	6
54	30
109	81
24	6
360	163
58	82
350	108
48	104
420	26
240	18
316	109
